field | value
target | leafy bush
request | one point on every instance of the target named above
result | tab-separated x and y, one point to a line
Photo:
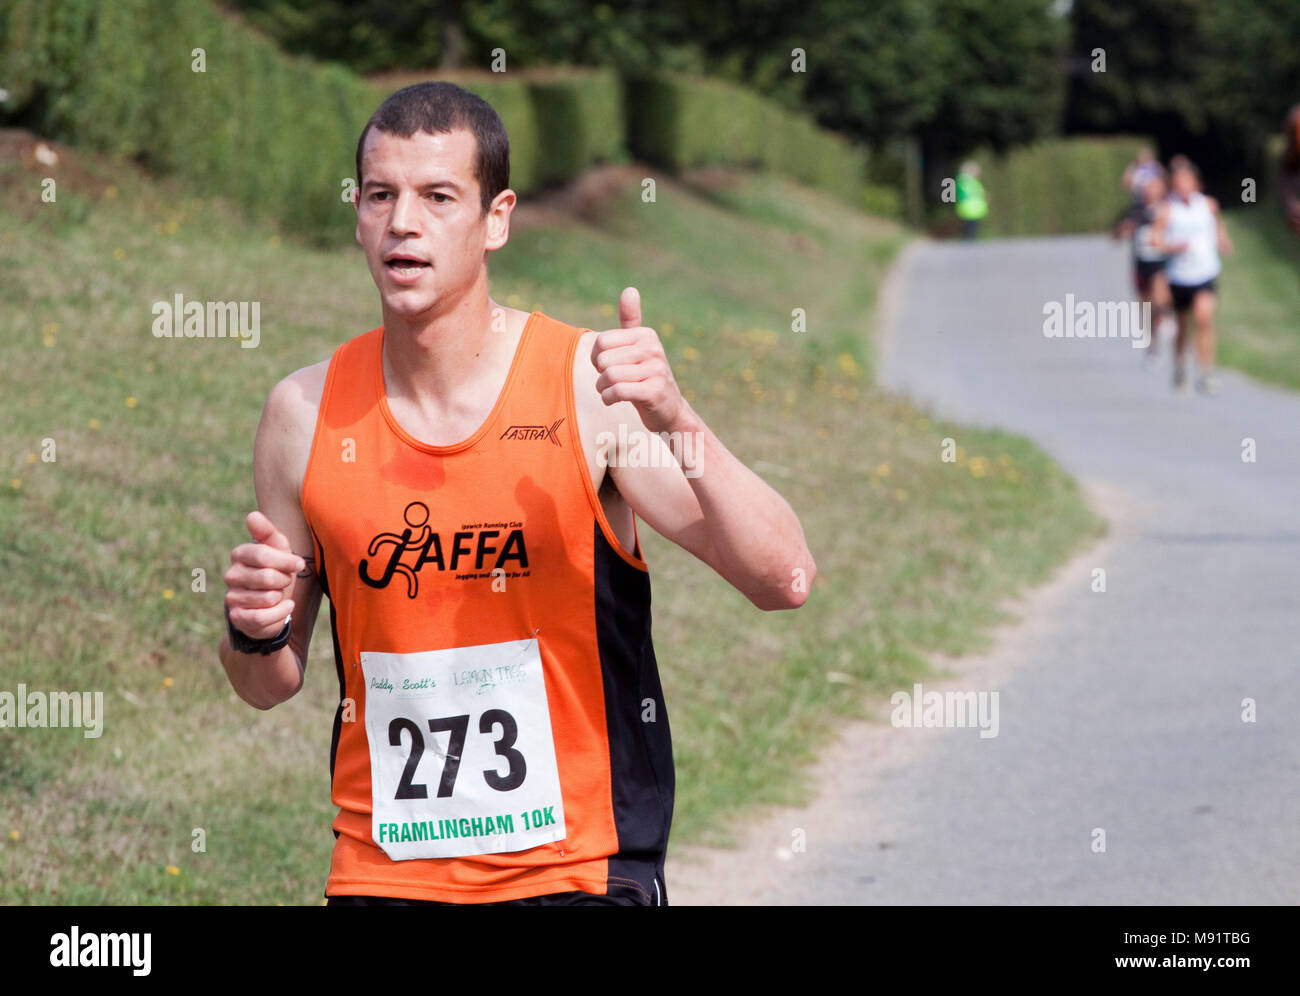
276	134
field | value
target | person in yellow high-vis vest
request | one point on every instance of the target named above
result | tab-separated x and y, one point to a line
972	205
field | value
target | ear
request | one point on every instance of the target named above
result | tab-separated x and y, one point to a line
498	220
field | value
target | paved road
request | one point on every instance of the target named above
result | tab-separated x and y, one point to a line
1119	710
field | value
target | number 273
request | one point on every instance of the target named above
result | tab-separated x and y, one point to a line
457	726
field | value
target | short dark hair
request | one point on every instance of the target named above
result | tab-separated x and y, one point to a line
441	107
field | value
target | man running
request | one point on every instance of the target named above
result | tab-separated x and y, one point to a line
972	204
1192	232
1150	282
1143	168
454	483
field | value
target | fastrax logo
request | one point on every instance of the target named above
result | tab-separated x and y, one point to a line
534	432
426	544
90	950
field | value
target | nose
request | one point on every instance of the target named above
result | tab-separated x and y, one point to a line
402	222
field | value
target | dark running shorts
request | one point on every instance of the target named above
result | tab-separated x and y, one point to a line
631	882
618	895
1143	271
1185	294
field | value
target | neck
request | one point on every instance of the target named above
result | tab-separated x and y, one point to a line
433	357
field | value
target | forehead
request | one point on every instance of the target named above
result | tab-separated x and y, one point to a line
422	157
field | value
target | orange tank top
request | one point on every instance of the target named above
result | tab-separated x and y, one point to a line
501	731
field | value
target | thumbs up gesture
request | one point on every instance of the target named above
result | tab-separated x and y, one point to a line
260	579
633	367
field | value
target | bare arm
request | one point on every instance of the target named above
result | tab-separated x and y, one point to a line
708	502
1158	234
275	575
724	513
1225	243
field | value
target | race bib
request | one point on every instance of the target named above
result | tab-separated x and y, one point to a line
462	760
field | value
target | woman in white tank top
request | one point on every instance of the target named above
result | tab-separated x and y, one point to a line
1190	229
1195	224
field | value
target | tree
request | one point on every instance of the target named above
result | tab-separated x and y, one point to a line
1209	78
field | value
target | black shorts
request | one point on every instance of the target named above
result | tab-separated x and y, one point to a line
1144	270
1185	294
630	882
618	895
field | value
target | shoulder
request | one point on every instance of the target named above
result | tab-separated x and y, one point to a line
284	435
295	400
597	421
585	395
584	370
559	336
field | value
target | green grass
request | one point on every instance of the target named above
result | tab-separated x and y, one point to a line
98	547
1259	297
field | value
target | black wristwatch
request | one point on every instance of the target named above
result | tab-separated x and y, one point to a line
245	644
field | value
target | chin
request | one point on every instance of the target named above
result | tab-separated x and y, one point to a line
408	302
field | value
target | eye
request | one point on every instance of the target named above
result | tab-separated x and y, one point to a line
378	194
444	199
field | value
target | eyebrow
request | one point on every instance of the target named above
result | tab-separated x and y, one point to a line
449	184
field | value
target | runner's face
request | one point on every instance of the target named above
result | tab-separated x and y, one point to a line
1184	182
419	201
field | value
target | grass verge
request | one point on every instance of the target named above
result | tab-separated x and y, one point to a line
1259	297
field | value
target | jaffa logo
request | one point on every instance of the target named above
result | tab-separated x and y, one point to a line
426	545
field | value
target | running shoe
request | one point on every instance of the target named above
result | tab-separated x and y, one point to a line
1180	380
1208	384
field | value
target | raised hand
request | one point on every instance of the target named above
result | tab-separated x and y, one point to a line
633	367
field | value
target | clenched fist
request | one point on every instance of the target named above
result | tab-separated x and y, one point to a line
259	580
633	367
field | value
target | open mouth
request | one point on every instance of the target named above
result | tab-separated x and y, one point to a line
406	266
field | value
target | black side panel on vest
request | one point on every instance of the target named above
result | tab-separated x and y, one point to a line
338	658
640	743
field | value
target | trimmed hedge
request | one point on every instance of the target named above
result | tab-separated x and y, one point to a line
681	123
579	120
272	133
1057	186
276	134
